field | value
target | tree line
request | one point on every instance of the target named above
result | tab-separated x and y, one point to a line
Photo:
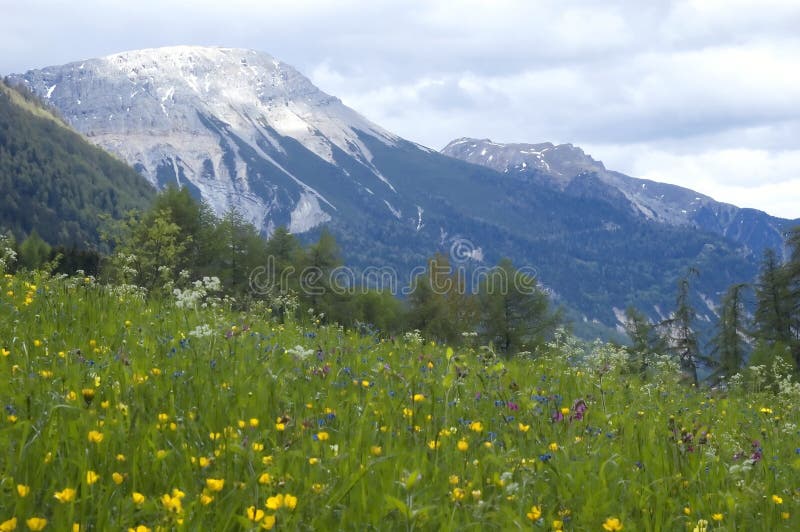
179	240
771	332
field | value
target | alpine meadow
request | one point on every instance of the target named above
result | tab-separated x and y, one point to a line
229	301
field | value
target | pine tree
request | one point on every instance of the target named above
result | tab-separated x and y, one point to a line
645	341
773	310
683	339
728	343
33	252
515	312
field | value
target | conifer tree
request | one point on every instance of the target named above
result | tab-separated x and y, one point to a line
728	342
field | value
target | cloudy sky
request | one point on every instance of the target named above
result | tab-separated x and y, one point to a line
702	93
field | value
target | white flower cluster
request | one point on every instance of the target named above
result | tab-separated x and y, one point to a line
300	352
201	331
128	291
413	337
190	297
7	255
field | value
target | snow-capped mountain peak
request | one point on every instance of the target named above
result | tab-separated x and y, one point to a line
216	119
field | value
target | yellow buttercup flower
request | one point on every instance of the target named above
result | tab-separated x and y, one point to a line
717	517
418	397
523	427
36	523
8	525
290	501
91	477
215	484
376	450
118	478
172	503
462	445
476	426
268	523
206	499
323	436
23	490
255	514
535	513
137	498
95	436
66	495
777	499
458	494
275	502
612	524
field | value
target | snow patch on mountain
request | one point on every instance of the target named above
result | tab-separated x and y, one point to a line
199	105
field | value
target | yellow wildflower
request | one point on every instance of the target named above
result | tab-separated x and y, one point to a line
255	514
66	495
36	523
215	484
612	524
535	513
268	523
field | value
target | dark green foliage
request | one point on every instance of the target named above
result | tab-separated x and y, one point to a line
33	252
773	304
53	181
440	305
645	341
515	314
70	260
236	249
729	346
682	335
778	301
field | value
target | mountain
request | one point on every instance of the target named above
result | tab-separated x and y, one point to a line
242	129
567	168
55	182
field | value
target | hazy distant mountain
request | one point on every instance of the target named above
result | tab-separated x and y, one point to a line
53	181
244	130
566	167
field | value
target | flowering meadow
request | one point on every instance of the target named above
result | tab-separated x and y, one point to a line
127	412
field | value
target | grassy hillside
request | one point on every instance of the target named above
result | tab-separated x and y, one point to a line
55	182
122	411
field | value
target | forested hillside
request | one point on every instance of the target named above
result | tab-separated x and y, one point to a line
55	182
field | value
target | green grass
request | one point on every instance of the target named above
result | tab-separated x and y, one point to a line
370	428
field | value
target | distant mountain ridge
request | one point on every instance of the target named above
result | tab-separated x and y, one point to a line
559	166
244	130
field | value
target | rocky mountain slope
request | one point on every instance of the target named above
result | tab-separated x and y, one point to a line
566	167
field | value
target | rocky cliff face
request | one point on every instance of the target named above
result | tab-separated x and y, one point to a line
217	120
